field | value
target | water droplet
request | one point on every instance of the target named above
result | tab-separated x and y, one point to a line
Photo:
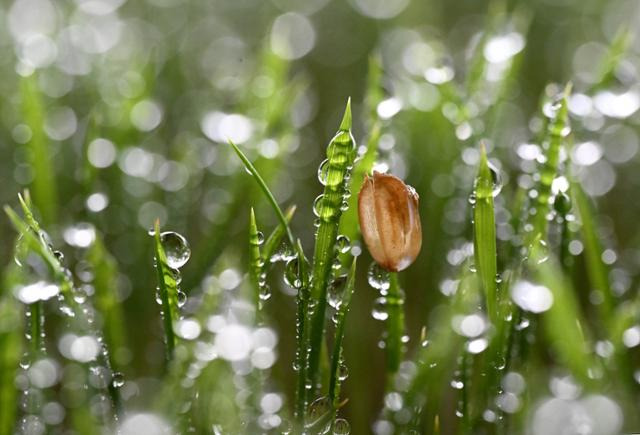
319	408
260	236
343	244
182	298
378	278
458	385
343	372
59	256
336	290
291	274
496	180
318	205
379	311
117	380
323	172
341	427
176	249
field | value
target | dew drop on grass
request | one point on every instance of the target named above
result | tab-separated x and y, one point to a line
323	172
336	290
260	236
318	408
291	273
343	372
176	249
117	380
343	244
378	278
182	298
380	309
341	427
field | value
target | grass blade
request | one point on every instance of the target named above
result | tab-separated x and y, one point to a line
255	261
44	183
168	290
265	189
485	236
336	356
558	130
340	155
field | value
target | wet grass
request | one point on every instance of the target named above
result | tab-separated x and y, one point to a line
517	308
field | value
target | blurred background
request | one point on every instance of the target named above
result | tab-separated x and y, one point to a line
114	113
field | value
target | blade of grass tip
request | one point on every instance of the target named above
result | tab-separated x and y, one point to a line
340	155
265	189
44	183
274	239
255	261
336	357
611	60
168	290
558	130
485	236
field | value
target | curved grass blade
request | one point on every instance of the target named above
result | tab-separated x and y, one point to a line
336	357
340	155
265	189
168	290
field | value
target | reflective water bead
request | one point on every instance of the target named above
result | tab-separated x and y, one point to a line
175	248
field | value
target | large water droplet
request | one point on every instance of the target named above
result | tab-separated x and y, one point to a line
380	309
319	408
496	180
323	172
341	427
291	274
343	244
378	278
175	248
336	290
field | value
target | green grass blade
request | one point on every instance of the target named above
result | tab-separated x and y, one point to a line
340	155
265	189
563	322
168	289
336	355
557	131
255	261
44	183
597	271
485	236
